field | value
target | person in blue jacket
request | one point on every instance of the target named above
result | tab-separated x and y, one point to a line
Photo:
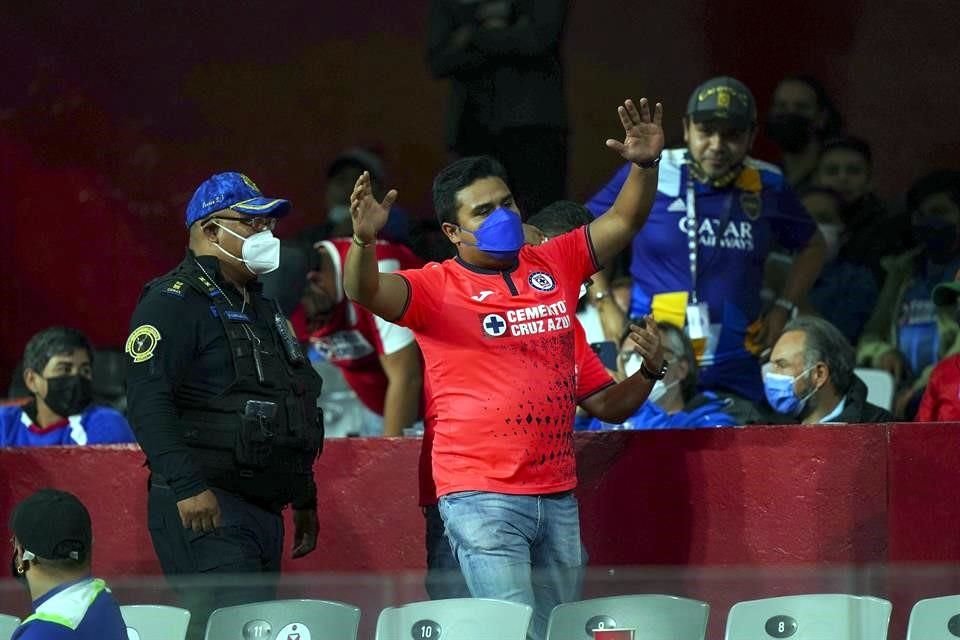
52	547
701	253
57	371
674	402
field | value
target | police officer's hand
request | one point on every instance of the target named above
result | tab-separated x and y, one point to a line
643	138
200	513
369	216
305	526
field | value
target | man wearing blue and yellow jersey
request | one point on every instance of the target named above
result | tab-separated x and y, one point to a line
699	259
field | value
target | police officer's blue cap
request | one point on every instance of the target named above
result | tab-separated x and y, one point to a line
234	191
723	98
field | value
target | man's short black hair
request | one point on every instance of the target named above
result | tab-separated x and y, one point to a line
561	217
460	175
940	181
52	342
850	143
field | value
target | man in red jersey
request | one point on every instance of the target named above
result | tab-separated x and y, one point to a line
379	360
495	325
597	394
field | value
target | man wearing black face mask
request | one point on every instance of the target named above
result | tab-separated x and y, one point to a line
57	371
223	402
801	117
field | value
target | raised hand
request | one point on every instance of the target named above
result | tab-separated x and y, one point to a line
646	342
642	135
369	216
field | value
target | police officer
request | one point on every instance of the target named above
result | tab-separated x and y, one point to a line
223	403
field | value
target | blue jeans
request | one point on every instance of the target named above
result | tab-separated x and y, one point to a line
519	548
443	579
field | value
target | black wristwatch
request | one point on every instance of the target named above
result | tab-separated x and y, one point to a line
653	375
650	164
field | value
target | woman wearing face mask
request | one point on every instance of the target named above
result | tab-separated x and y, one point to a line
906	335
57	372
674	401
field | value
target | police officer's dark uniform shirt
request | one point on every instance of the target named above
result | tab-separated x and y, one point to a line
197	356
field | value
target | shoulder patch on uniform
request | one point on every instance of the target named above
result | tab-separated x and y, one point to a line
142	342
175	289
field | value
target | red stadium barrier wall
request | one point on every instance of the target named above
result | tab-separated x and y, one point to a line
757	496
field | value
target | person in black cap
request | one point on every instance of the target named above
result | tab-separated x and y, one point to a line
52	547
223	402
699	259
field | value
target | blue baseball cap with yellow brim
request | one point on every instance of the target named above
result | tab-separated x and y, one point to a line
234	191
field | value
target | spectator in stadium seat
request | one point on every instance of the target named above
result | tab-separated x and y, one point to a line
841	278
287	285
801	118
52	548
732	208
379	360
674	402
906	335
940	400
941	397
342	174
810	376
872	233
57	371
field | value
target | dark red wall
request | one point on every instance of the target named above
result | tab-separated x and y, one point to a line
725	497
728	513
111	113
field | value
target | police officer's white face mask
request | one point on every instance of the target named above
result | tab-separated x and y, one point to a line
260	252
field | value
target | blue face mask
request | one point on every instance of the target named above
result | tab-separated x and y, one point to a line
780	392
500	234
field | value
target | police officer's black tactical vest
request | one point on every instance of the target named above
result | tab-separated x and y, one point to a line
262	434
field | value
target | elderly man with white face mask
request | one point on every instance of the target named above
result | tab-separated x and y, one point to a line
223	402
810	377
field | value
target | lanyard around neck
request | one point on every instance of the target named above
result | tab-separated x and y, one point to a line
692	236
